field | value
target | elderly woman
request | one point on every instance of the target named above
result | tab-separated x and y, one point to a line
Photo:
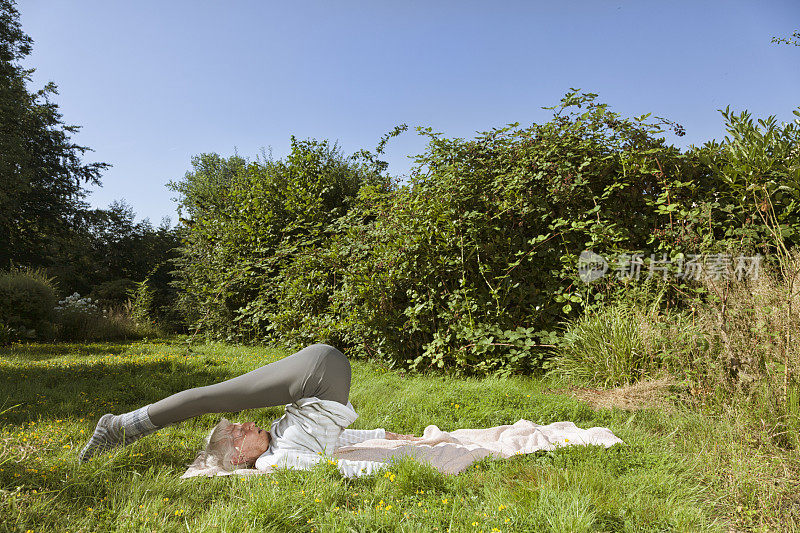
313	383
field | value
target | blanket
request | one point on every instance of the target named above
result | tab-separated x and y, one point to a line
449	452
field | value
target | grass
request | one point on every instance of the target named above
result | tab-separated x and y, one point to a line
679	470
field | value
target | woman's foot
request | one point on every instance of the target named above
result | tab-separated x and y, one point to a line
103	439
112	431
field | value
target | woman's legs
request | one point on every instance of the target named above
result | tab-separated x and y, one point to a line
318	370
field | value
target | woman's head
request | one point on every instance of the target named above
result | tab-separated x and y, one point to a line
229	446
249	441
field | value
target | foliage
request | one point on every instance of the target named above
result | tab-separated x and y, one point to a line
248	222
81	319
793	39
109	247
753	358
142	302
7	334
27	297
472	264
44	220
42	170
113	293
76	317
758	169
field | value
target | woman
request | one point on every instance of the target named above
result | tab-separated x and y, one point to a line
313	383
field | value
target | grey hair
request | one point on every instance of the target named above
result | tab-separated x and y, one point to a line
218	451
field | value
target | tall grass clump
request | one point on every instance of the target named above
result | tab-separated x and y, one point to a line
753	328
607	349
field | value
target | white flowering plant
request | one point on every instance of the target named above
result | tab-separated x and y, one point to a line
74	303
77	316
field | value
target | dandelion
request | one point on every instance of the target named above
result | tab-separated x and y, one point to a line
444	501
474	523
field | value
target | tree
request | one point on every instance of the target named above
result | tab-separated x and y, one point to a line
793	39
41	170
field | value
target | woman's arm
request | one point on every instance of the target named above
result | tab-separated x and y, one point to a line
350	437
399	436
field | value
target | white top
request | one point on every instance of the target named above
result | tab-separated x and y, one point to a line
312	429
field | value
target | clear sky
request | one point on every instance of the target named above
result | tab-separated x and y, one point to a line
154	83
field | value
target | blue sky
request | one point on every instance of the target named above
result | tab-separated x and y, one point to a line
154	83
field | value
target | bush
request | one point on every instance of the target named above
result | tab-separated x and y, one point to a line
249	223
112	293
80	319
141	302
77	317
7	335
472	264
27	298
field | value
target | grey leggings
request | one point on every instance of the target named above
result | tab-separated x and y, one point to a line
317	370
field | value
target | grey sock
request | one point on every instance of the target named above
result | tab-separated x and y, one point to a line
113	431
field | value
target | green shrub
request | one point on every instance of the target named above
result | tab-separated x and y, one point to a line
112	293
473	263
77	317
141	306
80	319
27	298
7	335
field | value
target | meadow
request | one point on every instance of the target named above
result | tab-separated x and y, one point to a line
680	469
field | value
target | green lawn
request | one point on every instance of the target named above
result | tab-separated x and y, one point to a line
674	473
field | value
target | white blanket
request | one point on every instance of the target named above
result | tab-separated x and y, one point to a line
448	452
452	452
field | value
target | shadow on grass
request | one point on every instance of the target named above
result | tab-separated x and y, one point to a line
43	352
88	390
